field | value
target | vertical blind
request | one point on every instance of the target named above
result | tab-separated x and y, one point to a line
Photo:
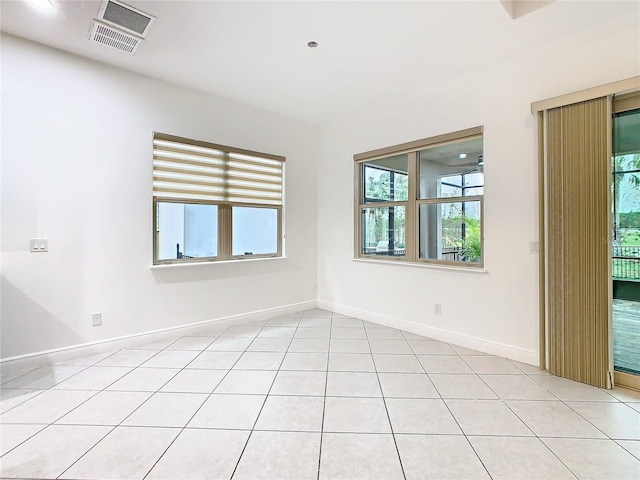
192	170
578	229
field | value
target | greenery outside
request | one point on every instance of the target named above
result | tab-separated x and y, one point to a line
376	224
626	217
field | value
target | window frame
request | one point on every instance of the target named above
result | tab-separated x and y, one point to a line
225	210
413	202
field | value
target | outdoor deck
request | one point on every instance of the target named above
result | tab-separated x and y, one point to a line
626	334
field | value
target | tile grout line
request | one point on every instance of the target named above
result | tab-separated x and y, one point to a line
182	429
452	415
3	385
196	411
26	439
134	410
482	379
578	413
324	400
510	409
26	400
589	421
47	425
53	423
180	370
88	450
541	441
556	456
632	454
275	377
27	371
384	401
152	393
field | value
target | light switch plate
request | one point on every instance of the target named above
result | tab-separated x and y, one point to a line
39	245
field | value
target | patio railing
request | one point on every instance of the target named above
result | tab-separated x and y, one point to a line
626	262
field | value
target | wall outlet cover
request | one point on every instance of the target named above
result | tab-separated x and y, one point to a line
96	319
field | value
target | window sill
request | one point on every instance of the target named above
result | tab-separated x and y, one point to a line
218	262
431	266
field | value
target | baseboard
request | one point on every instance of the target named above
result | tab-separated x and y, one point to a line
57	355
486	346
62	354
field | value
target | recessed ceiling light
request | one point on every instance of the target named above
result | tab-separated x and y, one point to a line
462	155
312	44
42	4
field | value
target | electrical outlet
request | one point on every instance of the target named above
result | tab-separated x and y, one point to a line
96	319
534	246
438	309
39	245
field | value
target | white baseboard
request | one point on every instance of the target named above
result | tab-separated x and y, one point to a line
486	346
49	357
58	355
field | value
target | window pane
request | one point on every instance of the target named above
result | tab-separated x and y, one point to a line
471	191
255	231
626	214
450	186
383	231
385	179
449	170
625	133
474	179
186	230
451	231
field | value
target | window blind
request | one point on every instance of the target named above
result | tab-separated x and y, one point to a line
578	180
192	170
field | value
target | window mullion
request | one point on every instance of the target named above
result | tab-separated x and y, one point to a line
411	215
359	199
470	198
225	220
225	224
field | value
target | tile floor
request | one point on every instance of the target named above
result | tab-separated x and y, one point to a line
313	395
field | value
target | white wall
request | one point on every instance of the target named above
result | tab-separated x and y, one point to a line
76	169
496	311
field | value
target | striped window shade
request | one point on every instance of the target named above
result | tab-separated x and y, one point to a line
194	170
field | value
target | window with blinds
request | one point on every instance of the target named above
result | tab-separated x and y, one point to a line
213	202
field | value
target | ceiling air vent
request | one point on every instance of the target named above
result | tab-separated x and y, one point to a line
120	26
125	17
114	38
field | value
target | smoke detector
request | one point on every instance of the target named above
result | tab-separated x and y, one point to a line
120	26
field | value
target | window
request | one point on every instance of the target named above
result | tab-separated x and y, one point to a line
385	192
422	201
212	202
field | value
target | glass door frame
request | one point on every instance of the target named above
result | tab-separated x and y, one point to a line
621	104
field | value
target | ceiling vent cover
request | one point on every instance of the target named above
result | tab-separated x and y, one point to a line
125	17
114	38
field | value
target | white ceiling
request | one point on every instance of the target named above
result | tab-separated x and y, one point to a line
369	52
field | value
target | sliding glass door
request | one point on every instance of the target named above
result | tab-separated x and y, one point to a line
626	242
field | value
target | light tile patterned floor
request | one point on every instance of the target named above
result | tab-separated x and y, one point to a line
313	395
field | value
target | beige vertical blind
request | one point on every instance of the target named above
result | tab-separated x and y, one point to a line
578	230
190	170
